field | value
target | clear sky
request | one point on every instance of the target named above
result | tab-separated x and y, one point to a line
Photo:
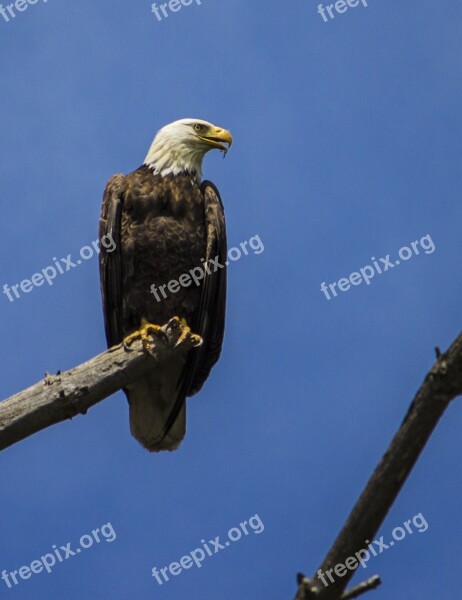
347	147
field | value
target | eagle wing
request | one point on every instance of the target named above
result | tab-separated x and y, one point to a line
111	262
210	321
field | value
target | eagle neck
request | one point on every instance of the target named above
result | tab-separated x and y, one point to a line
166	159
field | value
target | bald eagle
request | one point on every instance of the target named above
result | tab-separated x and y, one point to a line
165	222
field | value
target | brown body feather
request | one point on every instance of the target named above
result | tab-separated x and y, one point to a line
162	228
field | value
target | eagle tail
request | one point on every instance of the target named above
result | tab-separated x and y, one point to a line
151	399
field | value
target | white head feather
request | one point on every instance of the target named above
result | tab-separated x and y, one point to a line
181	146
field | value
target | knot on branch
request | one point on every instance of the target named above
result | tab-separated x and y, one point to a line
51	379
307	588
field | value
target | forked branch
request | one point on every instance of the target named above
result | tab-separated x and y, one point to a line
442	384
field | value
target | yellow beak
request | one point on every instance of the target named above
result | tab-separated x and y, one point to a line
216	137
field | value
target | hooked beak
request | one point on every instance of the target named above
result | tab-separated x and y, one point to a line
217	138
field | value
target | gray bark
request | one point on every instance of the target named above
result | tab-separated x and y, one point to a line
65	395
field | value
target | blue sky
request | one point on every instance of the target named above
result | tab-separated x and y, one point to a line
347	147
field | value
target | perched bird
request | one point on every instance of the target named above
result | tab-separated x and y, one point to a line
164	223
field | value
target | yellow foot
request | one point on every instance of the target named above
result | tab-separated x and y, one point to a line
184	334
143	333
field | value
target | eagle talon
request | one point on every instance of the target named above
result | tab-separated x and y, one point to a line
179	333
196	340
144	333
189	338
174	323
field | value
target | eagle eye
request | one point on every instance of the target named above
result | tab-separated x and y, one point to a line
198	127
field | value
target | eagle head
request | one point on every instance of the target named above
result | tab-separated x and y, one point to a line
181	146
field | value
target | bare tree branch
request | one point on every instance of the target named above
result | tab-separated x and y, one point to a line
362	588
442	384
65	395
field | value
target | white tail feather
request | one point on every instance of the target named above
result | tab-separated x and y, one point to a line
151	399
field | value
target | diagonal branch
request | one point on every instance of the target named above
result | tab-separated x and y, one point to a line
65	395
442	384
